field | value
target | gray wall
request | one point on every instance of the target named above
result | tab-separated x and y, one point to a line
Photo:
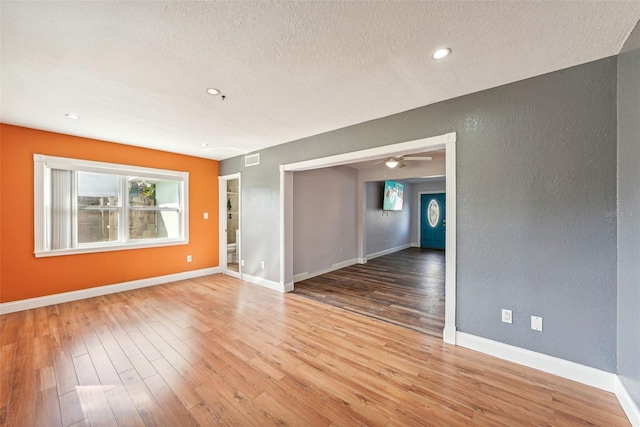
532	236
260	220
325	223
431	185
629	215
384	229
536	163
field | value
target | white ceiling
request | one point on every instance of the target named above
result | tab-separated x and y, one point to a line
136	72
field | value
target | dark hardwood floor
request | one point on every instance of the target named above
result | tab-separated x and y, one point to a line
405	288
215	351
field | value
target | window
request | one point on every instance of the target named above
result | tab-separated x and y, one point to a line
83	206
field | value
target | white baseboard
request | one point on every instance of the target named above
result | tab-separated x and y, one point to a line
288	287
231	273
26	304
344	264
361	260
415	245
449	335
553	365
388	251
300	277
337	266
261	281
628	405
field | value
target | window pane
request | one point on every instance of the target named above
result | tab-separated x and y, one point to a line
142	192
154	225
97	226
96	189
153	192
168	194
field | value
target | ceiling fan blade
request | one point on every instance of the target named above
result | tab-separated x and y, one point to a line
401	164
425	158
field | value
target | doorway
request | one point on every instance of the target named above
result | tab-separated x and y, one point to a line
433	220
230	242
446	141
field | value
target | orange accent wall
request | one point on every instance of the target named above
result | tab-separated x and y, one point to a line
22	275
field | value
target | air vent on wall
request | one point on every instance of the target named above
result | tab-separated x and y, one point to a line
252	159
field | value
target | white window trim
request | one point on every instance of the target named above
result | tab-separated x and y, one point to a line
42	162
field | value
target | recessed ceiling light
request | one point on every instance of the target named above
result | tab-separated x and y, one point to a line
213	91
441	53
72	116
204	144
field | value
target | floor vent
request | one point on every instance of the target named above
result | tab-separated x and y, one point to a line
252	159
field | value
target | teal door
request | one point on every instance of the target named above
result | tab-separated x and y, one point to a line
432	220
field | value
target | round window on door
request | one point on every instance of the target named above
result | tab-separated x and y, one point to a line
433	212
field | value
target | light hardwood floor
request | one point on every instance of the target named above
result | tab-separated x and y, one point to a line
216	351
405	288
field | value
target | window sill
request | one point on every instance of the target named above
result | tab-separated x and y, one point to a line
109	248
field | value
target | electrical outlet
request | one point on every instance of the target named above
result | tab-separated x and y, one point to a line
242	263
206	215
189	258
536	323
507	316
262	264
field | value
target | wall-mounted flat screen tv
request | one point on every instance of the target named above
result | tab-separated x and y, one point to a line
393	196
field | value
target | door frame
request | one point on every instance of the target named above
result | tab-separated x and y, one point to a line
222	224
420	214
446	141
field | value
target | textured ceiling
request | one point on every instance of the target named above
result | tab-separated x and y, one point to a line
136	72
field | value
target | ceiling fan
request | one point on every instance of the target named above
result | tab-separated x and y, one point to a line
398	161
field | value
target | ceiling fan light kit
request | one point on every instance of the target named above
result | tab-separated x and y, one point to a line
391	163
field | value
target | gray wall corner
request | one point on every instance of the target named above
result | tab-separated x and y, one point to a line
628	215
